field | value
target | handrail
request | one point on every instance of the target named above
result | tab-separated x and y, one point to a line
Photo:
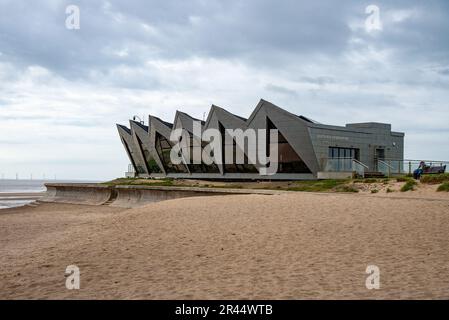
411	160
344	165
360	163
383	162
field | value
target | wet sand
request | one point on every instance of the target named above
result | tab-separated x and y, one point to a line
290	246
7	196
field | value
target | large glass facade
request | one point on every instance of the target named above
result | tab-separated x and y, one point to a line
289	161
163	148
233	167
342	158
200	167
150	163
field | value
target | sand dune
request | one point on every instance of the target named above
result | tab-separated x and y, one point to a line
293	246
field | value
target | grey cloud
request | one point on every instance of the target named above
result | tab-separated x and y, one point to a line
280	89
264	33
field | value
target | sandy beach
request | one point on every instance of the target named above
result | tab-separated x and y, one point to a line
290	246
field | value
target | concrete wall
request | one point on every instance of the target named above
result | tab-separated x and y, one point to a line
89	194
131	196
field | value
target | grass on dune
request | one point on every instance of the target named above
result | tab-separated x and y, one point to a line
140	182
404	179
444	187
322	185
409	186
435	178
306	185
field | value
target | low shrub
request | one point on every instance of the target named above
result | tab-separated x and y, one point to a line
346	188
370	180
409	186
374	191
435	178
443	187
403	179
389	190
316	186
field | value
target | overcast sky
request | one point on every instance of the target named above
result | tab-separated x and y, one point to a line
63	90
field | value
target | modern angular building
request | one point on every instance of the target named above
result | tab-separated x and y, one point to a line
306	149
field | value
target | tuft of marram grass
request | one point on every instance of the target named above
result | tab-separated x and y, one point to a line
409	186
444	187
346	188
316	186
435	178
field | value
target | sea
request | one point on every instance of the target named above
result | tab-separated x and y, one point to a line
25	186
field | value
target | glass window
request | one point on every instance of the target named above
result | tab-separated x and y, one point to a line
338	152
150	163
163	148
289	160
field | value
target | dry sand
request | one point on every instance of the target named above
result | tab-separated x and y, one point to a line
291	246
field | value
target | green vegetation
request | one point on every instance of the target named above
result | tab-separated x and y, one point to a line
444	187
370	180
120	181
140	182
346	188
435	178
409	186
228	186
348	185
316	186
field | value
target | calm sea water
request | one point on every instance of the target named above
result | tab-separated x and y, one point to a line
25	186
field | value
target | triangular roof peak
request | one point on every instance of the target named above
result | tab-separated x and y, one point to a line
138	123
124	128
168	124
178	112
268	104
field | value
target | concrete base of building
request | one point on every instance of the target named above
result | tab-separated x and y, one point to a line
335	175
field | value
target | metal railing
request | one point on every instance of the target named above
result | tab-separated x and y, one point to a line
344	165
386	168
359	167
391	167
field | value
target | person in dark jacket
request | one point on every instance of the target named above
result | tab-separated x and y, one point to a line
418	172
